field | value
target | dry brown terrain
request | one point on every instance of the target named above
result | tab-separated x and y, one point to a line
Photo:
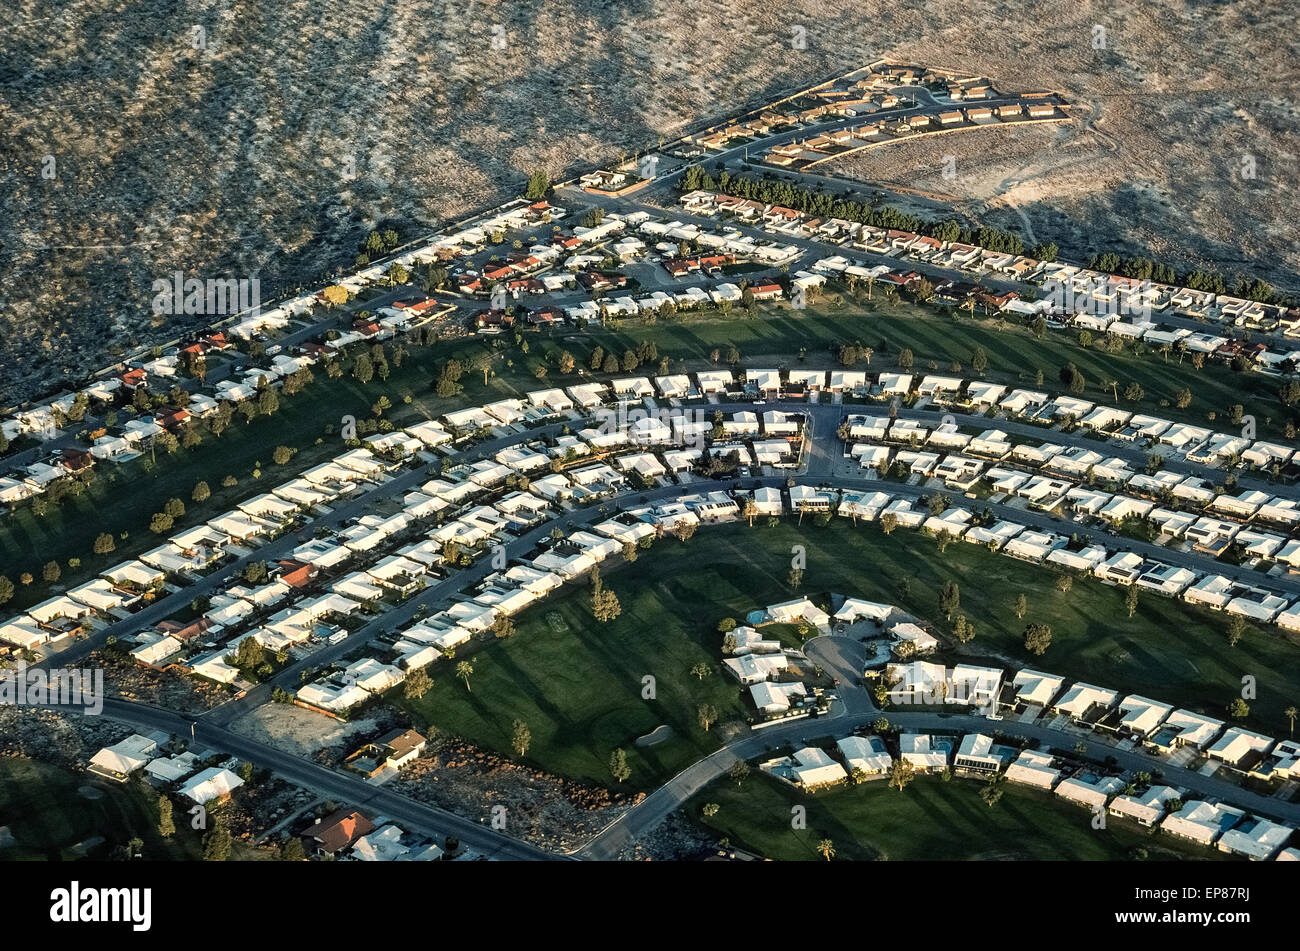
230	161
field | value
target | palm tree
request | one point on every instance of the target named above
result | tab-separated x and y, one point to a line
463	670
826	849
1290	713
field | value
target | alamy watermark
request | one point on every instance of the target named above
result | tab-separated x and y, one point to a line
22	686
213	297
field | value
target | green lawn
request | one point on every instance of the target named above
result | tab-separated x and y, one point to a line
46	814
577	684
930	820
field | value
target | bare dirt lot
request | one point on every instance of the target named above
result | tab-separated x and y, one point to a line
306	733
136	146
550	812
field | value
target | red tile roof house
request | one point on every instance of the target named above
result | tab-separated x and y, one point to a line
74	460
766	291
417	308
173	419
493	319
337	831
596	281
185	632
529	285
296	573
134	378
216	341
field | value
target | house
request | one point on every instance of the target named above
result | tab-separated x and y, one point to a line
212	783
768	501
1184	728
1088	789
1240	748
1031	545
925	752
1139	716
789	612
855	609
775	698
975	686
1033	768
337	831
813	768
1145	808
866	753
1257	839
1033	687
119	761
755	668
977	755
1084	702
1201	822
401	747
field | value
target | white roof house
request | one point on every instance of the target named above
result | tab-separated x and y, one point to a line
775	698
855	609
1142	716
975	686
866	753
1202	822
1033	768
925	752
813	767
1255	838
922	640
1089	790
23	632
1185	728
1036	687
791	611
1238	746
124	757
751	668
977	754
211	783
1081	699
1145	808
